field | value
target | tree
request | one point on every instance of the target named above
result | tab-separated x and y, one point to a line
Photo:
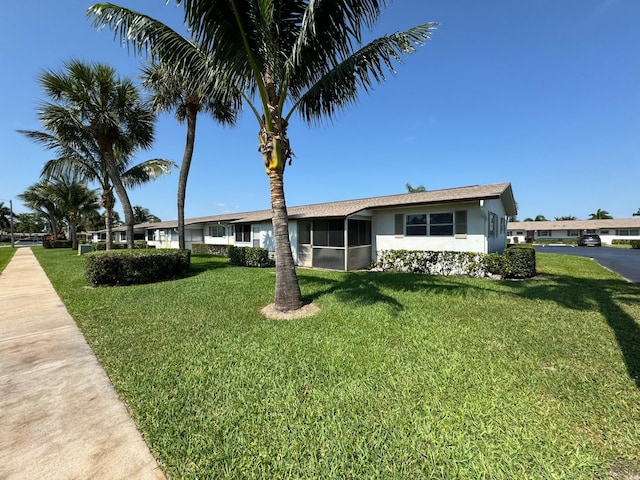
62	200
566	217
600	215
94	113
540	218
5	217
637	213
173	90
285	57
419	188
30	223
40	198
143	215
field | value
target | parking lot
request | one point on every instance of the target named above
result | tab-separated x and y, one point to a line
623	261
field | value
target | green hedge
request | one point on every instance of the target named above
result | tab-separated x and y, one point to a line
635	244
518	261
249	256
101	246
56	243
130	267
208	249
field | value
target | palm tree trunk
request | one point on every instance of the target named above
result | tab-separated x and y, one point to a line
108	212
192	115
287	296
114	175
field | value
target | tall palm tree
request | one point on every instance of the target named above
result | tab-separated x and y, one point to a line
5	217
286	56
40	198
75	201
92	111
600	215
173	90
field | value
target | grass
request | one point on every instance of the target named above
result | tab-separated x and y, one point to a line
399	376
6	253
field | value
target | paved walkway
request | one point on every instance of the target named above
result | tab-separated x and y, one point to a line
60	417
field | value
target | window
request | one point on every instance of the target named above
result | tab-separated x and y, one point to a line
151	235
604	232
399	224
493	220
503	225
627	233
441	224
217	231
359	233
433	224
573	233
328	233
304	233
461	222
243	233
544	233
417	224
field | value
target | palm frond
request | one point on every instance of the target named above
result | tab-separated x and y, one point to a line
340	86
147	170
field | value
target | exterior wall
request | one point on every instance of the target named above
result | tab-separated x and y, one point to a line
384	237
496	239
607	235
168	237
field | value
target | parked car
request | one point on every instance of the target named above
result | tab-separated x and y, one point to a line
590	240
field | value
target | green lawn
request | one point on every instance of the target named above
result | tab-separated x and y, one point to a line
6	253
399	376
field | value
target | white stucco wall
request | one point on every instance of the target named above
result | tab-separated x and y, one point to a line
384	238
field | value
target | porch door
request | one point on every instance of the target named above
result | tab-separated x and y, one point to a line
305	249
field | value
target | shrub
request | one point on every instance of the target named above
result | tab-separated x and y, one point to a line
635	244
249	256
519	262
516	262
129	267
208	249
56	243
101	246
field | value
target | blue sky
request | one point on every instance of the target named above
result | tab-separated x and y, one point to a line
544	94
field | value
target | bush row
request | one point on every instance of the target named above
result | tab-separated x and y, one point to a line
56	243
249	256
516	262
208	249
131	267
101	246
635	244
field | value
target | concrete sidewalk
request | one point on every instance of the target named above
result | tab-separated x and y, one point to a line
60	417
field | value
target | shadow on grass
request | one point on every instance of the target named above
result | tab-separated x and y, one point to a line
603	295
206	263
586	294
368	288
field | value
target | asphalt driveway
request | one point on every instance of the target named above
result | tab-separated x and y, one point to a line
623	261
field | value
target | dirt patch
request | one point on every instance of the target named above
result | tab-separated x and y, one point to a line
624	470
305	311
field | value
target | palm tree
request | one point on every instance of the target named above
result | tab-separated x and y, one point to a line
286	57
600	215
5	217
173	91
40	198
94	113
637	213
411	189
143	215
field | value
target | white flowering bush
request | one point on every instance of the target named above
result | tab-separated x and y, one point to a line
439	263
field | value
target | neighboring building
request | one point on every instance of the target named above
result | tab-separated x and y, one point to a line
346	235
609	230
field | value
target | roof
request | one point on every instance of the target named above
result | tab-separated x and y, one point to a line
350	207
576	224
